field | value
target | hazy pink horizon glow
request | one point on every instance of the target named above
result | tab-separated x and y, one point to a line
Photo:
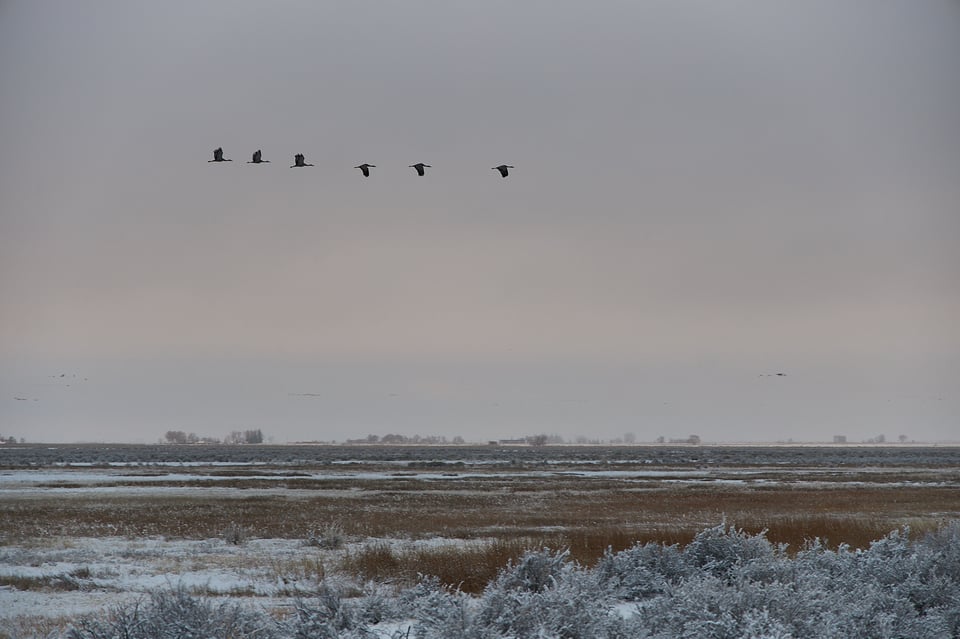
702	195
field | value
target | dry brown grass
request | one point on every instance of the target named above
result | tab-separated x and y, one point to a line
299	576
498	517
595	514
497	523
472	566
73	580
468	567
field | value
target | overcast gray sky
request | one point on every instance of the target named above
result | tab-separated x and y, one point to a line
704	193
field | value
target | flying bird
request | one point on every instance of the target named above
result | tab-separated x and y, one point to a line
419	166
365	168
258	158
503	169
298	161
218	155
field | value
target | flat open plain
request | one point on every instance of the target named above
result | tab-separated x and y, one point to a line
84	525
194	492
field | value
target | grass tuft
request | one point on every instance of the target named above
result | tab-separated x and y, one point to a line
235	534
329	537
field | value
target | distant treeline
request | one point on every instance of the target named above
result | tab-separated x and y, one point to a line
440	440
254	436
391	438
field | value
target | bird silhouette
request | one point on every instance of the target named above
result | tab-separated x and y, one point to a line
218	156
298	161
258	158
365	169
419	166
503	169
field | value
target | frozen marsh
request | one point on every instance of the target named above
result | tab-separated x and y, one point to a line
361	542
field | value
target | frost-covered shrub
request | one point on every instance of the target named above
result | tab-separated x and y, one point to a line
443	613
642	571
545	595
899	588
718	549
729	607
322	617
578	608
175	613
534	572
510	604
377	604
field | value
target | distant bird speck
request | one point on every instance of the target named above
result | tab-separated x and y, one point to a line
419	166
298	161
258	158
365	168
20	399
503	169
218	156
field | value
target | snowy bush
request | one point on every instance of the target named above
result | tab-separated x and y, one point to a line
642	571
442	613
534	572
175	614
545	594
325	616
716	550
377	604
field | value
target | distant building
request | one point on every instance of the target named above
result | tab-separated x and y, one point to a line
839	439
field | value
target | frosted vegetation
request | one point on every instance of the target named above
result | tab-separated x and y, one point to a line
725	584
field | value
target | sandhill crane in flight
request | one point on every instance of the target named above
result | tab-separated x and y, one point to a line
298	161
365	169
258	158
218	156
419	166
503	169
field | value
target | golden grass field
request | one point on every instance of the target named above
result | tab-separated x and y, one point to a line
586	513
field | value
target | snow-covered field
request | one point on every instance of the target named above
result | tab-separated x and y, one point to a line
71	577
725	583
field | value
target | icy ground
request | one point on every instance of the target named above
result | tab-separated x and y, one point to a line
87	573
725	584
74	576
